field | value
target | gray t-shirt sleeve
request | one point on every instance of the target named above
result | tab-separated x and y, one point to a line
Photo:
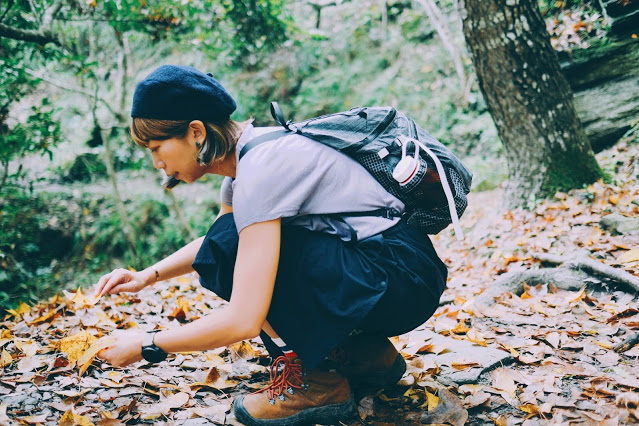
265	190
226	191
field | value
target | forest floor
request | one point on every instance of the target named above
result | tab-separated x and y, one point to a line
539	352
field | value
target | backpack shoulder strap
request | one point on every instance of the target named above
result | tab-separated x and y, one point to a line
266	137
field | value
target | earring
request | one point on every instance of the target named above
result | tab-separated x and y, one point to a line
197	144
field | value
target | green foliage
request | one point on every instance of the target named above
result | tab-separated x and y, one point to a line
36	136
257	27
37	234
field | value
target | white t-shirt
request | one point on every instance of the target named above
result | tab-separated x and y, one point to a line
296	178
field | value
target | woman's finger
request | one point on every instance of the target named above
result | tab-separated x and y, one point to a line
112	282
100	285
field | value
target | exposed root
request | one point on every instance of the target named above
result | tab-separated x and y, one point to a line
627	344
574	272
584	263
513	282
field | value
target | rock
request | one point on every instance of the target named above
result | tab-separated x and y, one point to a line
14	400
605	72
619	224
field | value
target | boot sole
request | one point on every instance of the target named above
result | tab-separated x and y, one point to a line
329	414
372	382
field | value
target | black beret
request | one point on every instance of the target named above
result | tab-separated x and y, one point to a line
175	92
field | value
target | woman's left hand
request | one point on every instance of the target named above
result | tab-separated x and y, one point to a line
125	350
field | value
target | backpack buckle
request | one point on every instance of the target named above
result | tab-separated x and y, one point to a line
390	213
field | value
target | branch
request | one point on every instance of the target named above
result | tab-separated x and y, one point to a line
9	6
49	14
41	37
627	344
582	262
71	89
5	174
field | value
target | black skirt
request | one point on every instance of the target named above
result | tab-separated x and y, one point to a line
326	288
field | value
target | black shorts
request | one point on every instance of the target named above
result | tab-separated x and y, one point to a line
325	288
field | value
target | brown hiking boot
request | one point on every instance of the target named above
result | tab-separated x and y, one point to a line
370	362
297	396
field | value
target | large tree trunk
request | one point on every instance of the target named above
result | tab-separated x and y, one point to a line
529	99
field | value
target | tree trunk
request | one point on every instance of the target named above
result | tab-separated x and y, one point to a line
529	99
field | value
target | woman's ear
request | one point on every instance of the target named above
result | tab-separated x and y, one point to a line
197	131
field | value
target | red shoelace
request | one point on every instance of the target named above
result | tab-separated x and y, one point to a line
283	371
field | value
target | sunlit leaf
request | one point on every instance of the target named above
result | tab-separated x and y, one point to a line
75	345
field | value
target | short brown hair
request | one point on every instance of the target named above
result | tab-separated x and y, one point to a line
220	137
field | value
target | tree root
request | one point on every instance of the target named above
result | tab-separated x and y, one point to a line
627	344
575	272
584	263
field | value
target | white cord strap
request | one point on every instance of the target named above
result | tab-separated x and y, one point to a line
444	180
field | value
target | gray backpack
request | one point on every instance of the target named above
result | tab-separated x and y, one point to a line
405	159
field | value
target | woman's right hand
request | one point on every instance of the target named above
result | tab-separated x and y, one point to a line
122	280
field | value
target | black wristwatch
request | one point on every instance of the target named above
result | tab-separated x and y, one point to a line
150	352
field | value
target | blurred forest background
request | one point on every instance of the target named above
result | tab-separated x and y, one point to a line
78	198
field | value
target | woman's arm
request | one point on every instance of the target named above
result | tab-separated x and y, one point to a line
253	283
179	263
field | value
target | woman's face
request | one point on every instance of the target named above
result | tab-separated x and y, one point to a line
177	157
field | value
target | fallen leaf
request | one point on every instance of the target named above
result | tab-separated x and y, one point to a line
432	400
69	418
22	309
464	363
153	411
5	359
33	420
90	354
216	413
242	350
80	300
629	256
476	337
75	345
31	363
449	410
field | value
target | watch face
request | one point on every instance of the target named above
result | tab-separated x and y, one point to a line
153	354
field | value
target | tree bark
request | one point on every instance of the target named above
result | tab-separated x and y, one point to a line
529	99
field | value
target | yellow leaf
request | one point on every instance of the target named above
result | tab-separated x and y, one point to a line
242	350
5	359
75	346
629	256
22	309
579	295
43	318
433	401
614	199
460	328
476	337
531	409
71	419
463	363
604	344
80	300
90	354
